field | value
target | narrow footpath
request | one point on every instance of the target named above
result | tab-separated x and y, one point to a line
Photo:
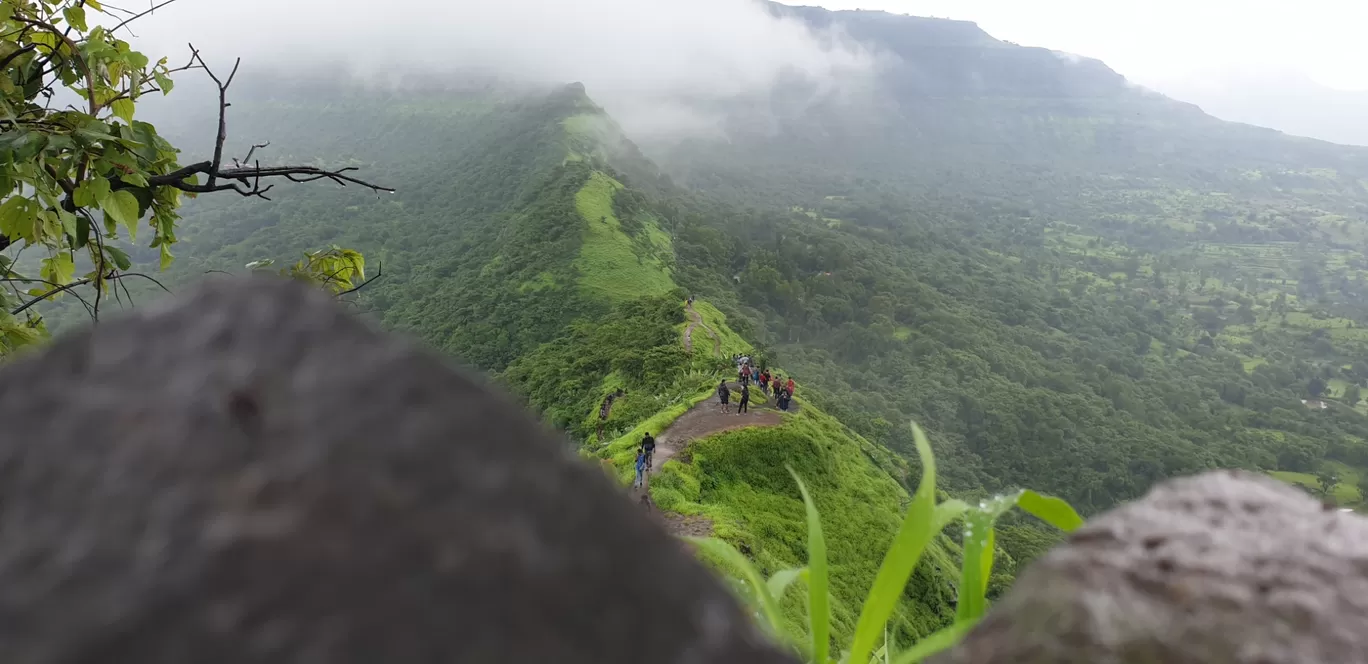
696	319
701	421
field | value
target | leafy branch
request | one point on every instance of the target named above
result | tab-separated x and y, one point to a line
59	167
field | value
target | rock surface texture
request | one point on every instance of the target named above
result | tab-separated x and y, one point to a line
251	475
1223	568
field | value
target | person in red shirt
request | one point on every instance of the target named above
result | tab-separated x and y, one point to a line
789	387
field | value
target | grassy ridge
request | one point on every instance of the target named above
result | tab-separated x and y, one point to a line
731	342
609	265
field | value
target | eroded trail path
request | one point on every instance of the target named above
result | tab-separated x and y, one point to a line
704	419
696	320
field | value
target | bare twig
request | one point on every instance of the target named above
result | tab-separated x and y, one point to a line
77	284
56	291
135	17
250	152
140	275
26	280
379	271
246	180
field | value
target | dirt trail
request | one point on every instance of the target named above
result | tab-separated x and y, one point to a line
696	319
704	419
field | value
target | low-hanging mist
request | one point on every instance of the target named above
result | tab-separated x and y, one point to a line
638	58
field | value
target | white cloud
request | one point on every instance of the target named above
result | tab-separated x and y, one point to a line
626	52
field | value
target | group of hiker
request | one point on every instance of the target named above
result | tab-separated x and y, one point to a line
769	384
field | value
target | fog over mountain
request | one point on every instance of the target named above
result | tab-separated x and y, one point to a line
1282	100
635	56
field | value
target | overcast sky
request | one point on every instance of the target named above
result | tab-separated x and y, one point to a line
1152	41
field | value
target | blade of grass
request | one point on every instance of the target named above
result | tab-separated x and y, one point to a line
902	557
978	556
934	643
768	607
780	581
988	552
1051	510
948	511
819	609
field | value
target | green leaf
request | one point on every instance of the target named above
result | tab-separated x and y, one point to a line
136	179
121	259
95	5
123	109
166	256
768	607
24	143
59	269
780	581
91	193
1051	510
75	15
122	207
908	545
17	217
164	82
82	231
934	643
136	60
819	608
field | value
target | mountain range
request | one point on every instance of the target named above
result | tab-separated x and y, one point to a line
1073	283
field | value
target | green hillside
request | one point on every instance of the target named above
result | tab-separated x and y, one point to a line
522	247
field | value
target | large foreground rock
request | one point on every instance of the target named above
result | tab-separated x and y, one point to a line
1222	568
253	476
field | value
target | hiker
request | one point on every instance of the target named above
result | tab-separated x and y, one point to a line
789	386
784	399
764	381
745	399
648	446
776	387
640	469
724	396
745	374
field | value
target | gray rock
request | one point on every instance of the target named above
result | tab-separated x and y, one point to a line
252	475
1221	568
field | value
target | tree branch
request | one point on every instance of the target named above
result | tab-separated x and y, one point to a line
77	284
135	17
10	58
246	179
75	54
